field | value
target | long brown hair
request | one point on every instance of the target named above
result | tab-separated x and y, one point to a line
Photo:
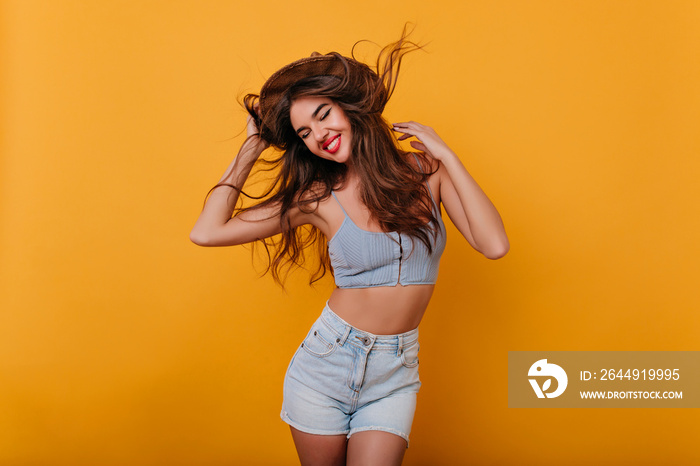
390	185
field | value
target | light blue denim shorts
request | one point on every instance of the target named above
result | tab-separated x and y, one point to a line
342	380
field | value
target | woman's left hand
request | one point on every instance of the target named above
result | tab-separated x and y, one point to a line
465	202
428	140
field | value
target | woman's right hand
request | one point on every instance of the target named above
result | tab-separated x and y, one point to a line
253	132
215	225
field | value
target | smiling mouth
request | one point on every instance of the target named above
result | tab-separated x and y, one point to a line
332	145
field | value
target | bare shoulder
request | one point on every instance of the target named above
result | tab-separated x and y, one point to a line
430	166
422	162
316	207
311	199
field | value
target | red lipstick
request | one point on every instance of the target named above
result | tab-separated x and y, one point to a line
332	145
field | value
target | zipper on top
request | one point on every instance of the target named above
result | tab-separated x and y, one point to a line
400	259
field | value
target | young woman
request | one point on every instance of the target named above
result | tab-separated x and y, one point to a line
373	211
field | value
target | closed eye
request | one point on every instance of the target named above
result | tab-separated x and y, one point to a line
313	115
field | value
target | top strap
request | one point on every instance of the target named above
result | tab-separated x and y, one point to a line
341	205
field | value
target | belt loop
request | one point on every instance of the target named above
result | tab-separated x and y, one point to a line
400	348
342	339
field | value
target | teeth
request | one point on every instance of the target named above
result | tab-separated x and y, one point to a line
333	145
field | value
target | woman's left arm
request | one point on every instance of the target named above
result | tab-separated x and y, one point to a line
469	208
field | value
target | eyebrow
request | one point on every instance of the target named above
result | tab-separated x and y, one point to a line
313	115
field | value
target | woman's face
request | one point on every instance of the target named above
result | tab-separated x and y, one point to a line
323	126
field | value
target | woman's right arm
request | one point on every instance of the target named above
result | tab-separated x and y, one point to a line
216	227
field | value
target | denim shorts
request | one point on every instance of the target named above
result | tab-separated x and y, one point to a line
342	380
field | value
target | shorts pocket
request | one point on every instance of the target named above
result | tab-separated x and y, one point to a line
409	355
320	342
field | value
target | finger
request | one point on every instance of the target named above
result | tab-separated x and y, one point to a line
408	129
405	134
409	124
419	146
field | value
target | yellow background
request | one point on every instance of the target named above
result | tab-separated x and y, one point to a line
123	343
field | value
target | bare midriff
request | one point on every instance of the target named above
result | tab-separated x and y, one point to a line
382	310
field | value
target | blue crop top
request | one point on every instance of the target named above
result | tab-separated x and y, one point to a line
366	259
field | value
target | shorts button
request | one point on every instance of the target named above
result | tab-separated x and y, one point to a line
365	340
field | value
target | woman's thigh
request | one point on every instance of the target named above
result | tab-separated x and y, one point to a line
366	448
375	447
320	450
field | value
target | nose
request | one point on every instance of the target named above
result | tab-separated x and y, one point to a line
320	133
